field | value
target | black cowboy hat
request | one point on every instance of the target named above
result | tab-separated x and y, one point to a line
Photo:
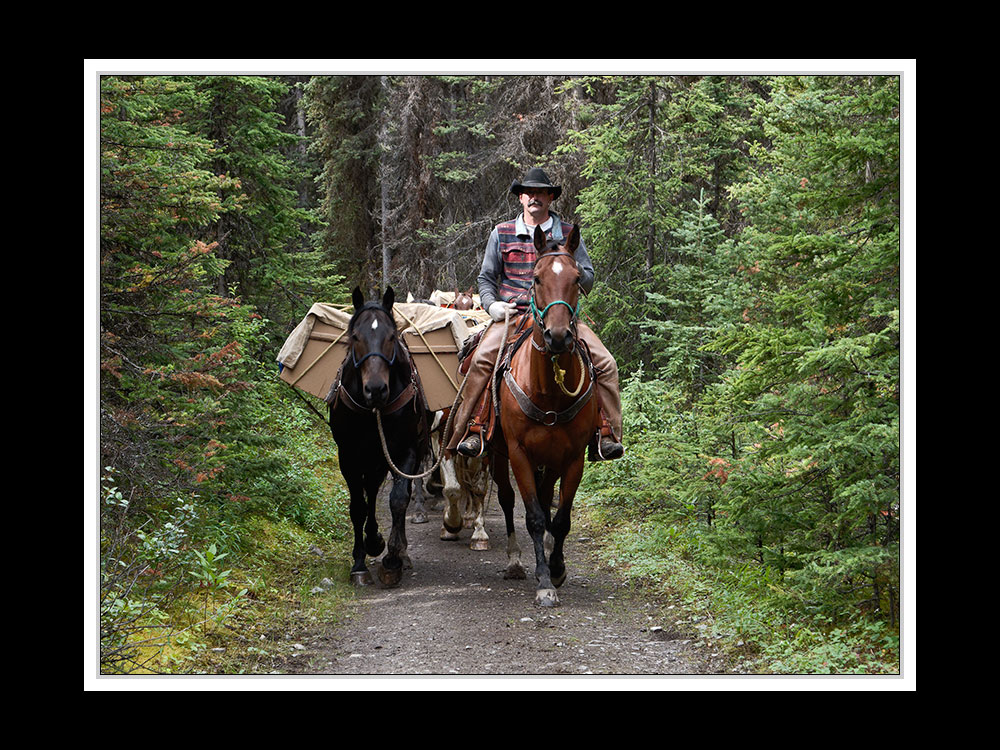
535	178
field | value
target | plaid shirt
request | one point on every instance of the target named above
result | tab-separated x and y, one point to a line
509	262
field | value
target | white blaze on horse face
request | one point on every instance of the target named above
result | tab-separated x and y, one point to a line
557	268
375	324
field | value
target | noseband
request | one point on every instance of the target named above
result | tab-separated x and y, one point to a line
358	362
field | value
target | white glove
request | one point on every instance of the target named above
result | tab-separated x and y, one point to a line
497	310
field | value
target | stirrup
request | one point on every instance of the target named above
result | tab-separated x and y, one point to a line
605	449
472	446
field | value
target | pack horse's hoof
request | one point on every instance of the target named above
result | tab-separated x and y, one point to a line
390	576
546	598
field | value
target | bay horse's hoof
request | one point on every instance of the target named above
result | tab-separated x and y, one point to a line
361	578
479	545
419	517
546	598
448	536
390	576
559	580
450	528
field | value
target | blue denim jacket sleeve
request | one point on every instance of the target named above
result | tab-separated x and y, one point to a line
490	271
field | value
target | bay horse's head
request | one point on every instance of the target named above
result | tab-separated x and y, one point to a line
373	345
555	293
464	300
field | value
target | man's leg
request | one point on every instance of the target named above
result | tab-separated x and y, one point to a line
609	443
472	412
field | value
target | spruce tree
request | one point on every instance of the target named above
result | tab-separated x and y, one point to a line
816	391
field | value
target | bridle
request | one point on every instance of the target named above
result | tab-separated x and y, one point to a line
539	315
358	362
401	399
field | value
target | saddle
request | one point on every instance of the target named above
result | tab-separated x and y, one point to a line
516	336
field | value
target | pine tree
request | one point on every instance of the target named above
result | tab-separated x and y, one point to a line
702	296
268	261
343	114
816	391
661	143
157	274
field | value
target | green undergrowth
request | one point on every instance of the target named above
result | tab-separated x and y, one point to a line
295	575
272	596
241	588
738	611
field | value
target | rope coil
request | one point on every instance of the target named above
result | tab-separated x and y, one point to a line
451	416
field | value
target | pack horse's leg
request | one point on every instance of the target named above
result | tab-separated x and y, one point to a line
359	516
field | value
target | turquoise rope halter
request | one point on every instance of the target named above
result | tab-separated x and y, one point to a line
540	315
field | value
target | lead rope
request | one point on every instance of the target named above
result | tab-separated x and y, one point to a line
559	375
448	424
385	448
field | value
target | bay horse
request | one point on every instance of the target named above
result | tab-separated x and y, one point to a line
548	413
464	300
377	375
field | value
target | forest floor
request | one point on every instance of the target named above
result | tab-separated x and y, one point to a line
455	614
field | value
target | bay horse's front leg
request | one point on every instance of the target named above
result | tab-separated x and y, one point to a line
545	482
536	520
561	523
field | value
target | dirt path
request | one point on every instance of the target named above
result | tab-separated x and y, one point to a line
455	614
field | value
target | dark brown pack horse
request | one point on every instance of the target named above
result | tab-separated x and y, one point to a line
378	376
548	412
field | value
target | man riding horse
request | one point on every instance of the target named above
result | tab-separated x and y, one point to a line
504	285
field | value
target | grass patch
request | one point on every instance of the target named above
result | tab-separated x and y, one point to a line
736	610
239	604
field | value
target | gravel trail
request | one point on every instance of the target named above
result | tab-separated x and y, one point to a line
454	614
